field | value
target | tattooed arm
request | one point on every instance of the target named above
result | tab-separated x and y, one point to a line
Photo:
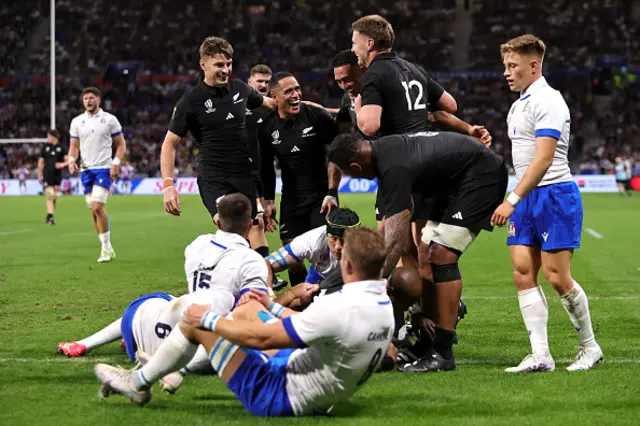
396	232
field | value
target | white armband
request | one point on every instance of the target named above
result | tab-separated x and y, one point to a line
72	159
514	199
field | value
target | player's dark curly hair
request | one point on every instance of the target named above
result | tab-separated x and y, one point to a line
346	57
344	149
341	219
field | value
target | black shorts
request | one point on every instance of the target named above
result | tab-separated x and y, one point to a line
472	203
300	214
422	206
51	178
213	188
625	182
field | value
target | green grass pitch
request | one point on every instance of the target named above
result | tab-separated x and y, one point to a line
52	289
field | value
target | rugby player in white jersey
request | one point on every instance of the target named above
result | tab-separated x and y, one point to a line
341	339
321	246
92	135
545	209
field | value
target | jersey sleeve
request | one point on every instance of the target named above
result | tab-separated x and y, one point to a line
178	123
371	89
254	99
73	129
316	324
343	115
253	273
115	127
434	93
327	125
396	184
302	246
549	115
43	151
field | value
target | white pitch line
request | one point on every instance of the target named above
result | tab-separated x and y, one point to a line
514	297
113	360
15	231
594	234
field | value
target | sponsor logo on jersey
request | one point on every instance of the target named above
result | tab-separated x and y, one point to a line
457	216
295	149
208	104
229	116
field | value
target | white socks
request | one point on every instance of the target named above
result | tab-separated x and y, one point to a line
105	239
107	335
576	304
535	312
199	363
174	353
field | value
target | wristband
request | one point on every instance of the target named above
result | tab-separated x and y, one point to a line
514	199
276	309
333	192
167	183
72	159
116	161
209	320
167	187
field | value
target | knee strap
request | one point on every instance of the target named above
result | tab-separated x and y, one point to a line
446	273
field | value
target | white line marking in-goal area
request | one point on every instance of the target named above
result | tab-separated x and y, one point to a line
514	297
594	234
15	231
115	360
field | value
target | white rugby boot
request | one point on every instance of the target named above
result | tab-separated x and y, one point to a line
586	359
117	380
533	363
106	254
169	383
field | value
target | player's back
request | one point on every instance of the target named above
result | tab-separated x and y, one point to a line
313	246
405	91
223	260
348	334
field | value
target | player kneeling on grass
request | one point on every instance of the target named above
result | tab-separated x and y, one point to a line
468	182
340	340
321	246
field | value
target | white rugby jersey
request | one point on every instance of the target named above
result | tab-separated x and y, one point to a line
345	335
313	246
540	111
155	318
224	260
95	133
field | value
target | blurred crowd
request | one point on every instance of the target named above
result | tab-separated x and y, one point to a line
302	36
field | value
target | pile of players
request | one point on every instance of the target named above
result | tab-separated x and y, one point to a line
436	191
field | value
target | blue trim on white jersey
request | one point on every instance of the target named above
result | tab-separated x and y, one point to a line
219	245
526	97
548	132
288	327
287	247
73	137
246	290
113	135
388	302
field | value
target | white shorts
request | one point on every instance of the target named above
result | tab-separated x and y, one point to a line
150	327
451	236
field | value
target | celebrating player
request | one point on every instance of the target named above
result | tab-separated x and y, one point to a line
215	115
92	135
467	182
259	79
53	158
545	209
298	135
342	339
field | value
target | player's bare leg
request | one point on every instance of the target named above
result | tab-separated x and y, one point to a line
257	237
101	223
533	307
556	267
51	193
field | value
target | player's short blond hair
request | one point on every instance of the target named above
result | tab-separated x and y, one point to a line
526	44
261	69
366	250
378	28
214	46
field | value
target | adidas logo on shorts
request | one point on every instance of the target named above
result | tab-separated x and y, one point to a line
295	149
457	216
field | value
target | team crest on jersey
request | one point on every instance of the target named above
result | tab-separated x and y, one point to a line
235	98
103	121
276	138
307	132
209	105
512	230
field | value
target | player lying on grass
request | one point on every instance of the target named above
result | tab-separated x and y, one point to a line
321	246
332	348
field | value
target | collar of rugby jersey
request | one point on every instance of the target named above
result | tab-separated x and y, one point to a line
230	238
378	287
533	88
214	90
383	56
96	115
